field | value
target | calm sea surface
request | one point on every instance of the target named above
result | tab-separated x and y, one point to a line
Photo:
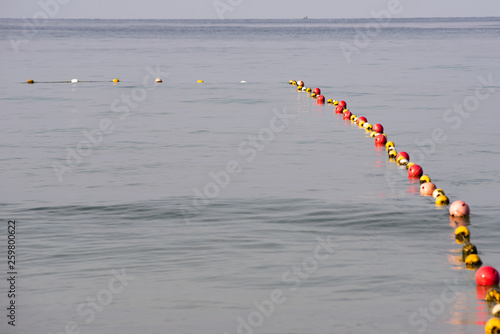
245	207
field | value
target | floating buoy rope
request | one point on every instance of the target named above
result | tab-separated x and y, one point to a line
459	211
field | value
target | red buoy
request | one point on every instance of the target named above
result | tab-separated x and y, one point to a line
339	110
343	104
404	155
362	118
459	209
487	276
320	99
317	91
347	115
380	140
415	172
378	128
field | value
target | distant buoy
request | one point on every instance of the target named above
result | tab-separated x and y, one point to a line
30	81
492	326
313	95
392	154
368	126
343	104
116	80
362	119
320	99
378	128
347	115
335	102
291	82
409	164
317	91
380	140
340	109
74	80
373	133
353	117
308	90
459	209
389	144
329	101
300	83
299	88
304	89
158	80
415	172
404	155
425	178
243	81
473	261
201	81
487	276
442	200
427	188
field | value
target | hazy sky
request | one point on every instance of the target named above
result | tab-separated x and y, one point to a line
237	9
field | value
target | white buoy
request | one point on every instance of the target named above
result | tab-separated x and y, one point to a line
74	80
243	81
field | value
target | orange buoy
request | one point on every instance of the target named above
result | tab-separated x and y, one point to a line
427	188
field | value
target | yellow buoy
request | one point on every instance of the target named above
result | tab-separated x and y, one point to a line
425	178
492	326
373	133
389	144
329	101
30	81
462	234
392	154
313	95
299	88
368	127
335	102
442	200
353	117
493	295
201	81
116	80
473	261
361	123
308	90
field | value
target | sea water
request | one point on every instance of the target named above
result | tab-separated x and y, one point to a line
239	205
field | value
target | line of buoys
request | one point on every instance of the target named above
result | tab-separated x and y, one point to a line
31	81
459	211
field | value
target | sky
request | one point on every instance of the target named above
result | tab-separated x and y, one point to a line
242	9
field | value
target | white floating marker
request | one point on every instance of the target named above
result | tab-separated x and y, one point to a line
74	80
